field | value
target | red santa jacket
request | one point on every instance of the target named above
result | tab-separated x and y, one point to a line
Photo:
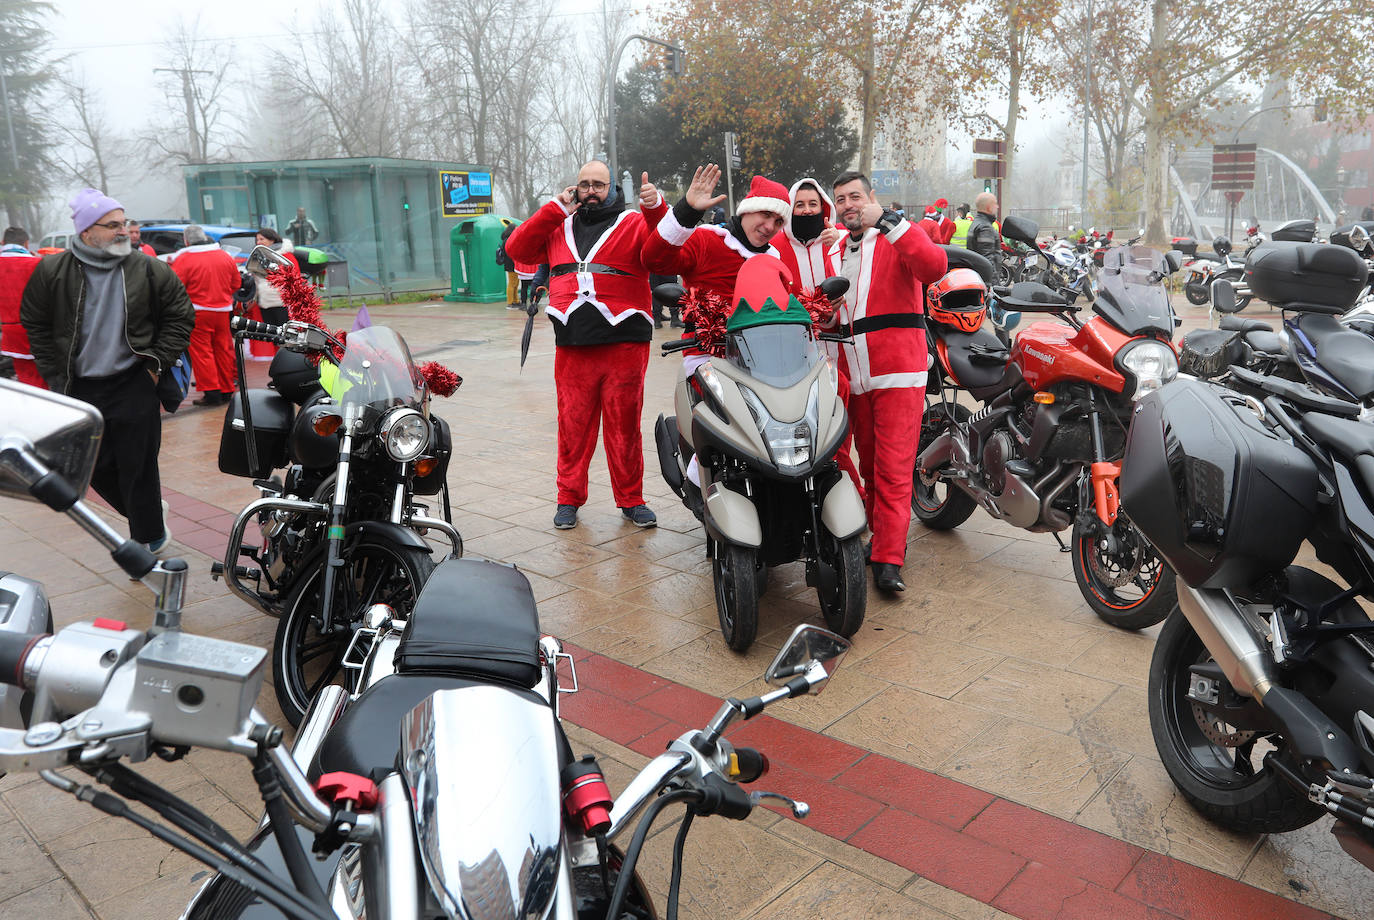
885	305
809	263
210	276
14	274
708	258
618	294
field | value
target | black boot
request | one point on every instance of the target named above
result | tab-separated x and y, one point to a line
888	577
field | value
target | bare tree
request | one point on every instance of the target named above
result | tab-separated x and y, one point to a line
86	131
352	76
195	79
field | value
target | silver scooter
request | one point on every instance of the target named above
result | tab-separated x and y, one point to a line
444	788
764	423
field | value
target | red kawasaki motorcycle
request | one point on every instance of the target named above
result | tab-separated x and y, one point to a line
1043	452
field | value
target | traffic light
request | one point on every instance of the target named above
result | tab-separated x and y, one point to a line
672	61
405	204
1319	110
987	185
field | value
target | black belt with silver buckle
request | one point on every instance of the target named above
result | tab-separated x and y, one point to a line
593	268
886	321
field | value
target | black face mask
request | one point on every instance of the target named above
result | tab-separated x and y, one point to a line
806	227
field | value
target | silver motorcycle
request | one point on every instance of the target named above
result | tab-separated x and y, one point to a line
476	808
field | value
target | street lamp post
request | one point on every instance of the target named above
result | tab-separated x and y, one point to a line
610	89
1087	101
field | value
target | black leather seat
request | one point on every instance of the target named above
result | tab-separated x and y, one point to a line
1233	323
1343	353
978	359
1266	342
473	619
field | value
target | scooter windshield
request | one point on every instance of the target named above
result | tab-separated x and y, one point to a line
778	354
376	372
1132	296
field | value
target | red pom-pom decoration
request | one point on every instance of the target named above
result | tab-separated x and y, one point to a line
441	380
708	312
819	306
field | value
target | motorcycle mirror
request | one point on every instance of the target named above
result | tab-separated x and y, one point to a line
1359	238
267	260
1021	229
1224	296
806	648
834	287
668	295
1174	259
42	433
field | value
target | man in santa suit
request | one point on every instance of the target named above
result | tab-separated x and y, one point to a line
936	225
709	256
887	263
211	278
599	305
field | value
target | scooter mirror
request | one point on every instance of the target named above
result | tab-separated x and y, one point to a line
42	432
834	287
1224	297
668	295
267	260
807	648
1021	229
1174	259
1359	238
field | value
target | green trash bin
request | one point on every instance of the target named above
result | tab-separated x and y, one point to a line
472	259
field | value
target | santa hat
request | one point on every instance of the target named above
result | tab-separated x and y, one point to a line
766	195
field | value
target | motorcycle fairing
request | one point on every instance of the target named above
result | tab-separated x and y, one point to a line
731	517
481	766
1050	353
1130	296
842	510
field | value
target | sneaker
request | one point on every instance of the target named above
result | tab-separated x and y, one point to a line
566	517
640	516
158	544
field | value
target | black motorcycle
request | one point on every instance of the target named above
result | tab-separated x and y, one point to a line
339	527
1261	689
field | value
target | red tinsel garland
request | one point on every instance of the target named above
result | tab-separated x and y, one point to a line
708	312
819	306
303	306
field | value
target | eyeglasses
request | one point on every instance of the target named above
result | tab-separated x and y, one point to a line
593	186
113	224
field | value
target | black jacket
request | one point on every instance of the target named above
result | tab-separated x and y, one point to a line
157	318
983	237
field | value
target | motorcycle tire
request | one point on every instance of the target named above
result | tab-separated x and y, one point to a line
932	508
1131	589
844	606
1229	783
1197	294
734	570
374	571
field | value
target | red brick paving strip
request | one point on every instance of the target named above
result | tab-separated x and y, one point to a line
1019	860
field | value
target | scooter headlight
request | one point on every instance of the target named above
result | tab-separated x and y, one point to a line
405	434
712	387
1151	363
792	445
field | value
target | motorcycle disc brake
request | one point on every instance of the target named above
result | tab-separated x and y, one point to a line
1118	569
1218	730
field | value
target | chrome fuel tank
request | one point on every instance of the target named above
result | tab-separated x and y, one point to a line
481	766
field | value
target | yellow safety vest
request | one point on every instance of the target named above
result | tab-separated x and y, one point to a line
960	237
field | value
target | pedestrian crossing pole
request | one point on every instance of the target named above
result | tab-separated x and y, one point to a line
731	164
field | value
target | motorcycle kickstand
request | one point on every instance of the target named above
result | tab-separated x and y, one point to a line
1063	548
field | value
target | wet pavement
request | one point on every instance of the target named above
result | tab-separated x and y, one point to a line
984	752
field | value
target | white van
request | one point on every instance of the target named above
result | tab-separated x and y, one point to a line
56	241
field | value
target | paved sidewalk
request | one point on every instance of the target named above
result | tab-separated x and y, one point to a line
984	752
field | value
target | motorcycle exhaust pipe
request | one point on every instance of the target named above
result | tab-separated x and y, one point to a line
1236	641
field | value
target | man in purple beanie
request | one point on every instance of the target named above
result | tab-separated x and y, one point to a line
104	320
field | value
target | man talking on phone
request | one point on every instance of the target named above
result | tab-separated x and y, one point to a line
599	304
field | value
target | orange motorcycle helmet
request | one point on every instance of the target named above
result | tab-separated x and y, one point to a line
959	299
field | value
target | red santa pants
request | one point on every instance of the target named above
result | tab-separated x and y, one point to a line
212	352
887	429
601	387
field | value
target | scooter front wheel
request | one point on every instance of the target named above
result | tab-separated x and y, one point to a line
843	605
734	571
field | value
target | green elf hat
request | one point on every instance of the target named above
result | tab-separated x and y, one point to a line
761	295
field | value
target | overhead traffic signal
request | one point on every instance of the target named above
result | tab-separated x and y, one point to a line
672	61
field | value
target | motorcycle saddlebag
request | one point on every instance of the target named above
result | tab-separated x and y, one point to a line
1309	277
1208	353
271	426
1221	499
1295	231
440	448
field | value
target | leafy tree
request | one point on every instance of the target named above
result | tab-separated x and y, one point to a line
25	133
